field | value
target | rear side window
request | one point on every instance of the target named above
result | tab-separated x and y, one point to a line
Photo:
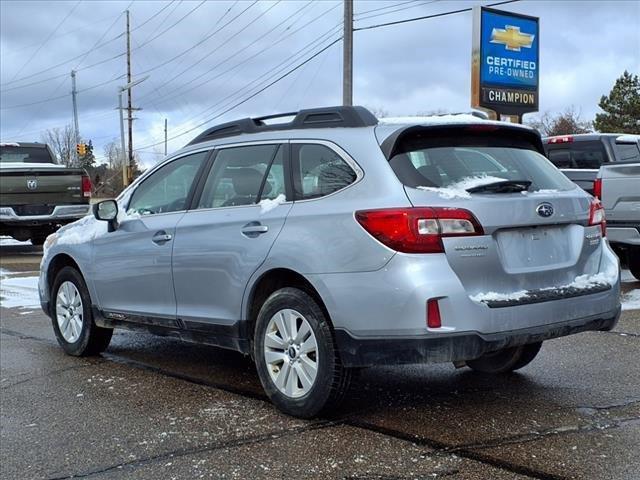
589	155
627	152
244	176
431	164
18	154
319	171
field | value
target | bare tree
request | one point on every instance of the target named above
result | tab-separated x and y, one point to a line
62	142
113	152
565	123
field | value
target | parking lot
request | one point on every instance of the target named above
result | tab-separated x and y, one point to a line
152	407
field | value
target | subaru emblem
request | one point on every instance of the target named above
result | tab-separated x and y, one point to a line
32	184
545	210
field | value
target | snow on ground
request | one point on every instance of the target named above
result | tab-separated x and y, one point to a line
459	189
631	300
18	291
7	241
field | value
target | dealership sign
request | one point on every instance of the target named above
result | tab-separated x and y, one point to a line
505	62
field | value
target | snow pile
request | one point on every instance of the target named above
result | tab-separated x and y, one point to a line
459	188
267	205
631	300
498	297
88	227
17	291
7	241
581	282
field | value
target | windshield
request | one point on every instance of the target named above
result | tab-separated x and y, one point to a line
19	154
445	166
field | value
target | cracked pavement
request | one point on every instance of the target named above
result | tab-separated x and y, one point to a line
154	407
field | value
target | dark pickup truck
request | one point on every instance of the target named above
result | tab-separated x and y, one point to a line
37	196
580	156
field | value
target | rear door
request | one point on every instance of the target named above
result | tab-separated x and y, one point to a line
228	233
533	239
132	265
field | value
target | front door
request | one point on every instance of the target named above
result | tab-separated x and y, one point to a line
132	265
224	239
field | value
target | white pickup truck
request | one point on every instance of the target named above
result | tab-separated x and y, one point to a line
617	185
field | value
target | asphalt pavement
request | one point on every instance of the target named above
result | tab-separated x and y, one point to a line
156	408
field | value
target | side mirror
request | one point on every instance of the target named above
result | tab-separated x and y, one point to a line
107	211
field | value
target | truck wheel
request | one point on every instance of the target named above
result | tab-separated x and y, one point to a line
633	259
73	323
38	239
506	360
296	356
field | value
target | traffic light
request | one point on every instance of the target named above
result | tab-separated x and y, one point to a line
81	149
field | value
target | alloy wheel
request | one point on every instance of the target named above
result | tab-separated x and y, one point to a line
69	311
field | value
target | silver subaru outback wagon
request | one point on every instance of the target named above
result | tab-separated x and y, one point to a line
331	241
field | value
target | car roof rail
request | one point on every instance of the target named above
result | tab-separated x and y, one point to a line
324	117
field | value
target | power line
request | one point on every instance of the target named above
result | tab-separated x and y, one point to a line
233	55
251	57
253	95
382	8
46	40
415	4
442	14
95	47
198	43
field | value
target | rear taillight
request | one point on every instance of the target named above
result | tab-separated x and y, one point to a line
597	188
420	229
597	217
86	186
433	314
561	139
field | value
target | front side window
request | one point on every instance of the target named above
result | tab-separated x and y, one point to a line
244	176
167	189
319	171
627	152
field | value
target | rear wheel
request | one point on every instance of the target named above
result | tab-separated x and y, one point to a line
72	319
506	360
296	356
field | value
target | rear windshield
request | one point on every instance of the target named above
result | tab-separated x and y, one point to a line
13	154
589	155
441	166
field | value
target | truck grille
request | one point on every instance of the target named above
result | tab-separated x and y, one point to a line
32	210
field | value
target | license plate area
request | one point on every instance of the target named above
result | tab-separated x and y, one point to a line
537	248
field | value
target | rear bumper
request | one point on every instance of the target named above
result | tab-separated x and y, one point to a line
60	214
364	352
627	235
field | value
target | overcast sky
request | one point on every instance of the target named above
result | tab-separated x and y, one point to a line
203	58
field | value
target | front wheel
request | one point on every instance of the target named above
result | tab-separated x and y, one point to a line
506	360
72	319
296	356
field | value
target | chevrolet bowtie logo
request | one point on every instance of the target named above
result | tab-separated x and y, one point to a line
511	38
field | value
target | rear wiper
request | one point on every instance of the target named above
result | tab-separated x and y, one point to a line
504	186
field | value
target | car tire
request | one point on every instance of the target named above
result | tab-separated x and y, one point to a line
72	318
633	259
506	360
292	336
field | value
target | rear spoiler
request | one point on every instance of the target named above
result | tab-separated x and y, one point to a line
392	144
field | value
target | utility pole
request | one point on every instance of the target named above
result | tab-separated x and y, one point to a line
165	137
347	59
76	131
129	106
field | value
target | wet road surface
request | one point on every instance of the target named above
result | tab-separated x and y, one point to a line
153	408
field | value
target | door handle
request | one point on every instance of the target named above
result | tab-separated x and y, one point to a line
253	229
161	237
